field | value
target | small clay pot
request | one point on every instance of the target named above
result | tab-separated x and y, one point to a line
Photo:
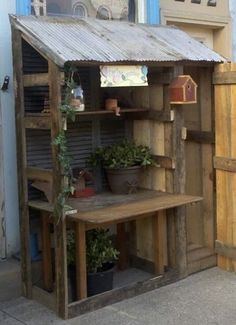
111	104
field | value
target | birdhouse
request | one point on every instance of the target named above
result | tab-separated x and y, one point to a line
183	90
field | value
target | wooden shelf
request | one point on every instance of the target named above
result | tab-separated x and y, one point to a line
112	208
93	112
42	120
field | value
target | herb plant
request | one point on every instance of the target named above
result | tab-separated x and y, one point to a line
122	155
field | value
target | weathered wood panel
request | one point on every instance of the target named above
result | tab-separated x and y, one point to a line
225	97
60	222
21	160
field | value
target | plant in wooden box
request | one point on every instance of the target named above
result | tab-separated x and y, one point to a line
123	162
100	259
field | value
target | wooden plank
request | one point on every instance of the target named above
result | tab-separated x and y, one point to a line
161	78
169	181
21	164
207	137
128	211
206	94
164	162
122	247
46	252
162	116
159	223
44	298
225	163
225	97
60	222
225	250
142	264
179	184
81	272
40	174
171	238
201	259
34	122
224	78
38	79
119	294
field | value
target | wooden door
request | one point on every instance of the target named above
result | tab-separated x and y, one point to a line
199	148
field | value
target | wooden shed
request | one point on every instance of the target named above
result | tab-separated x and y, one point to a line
167	229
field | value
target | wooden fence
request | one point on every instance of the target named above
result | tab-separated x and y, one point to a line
225	164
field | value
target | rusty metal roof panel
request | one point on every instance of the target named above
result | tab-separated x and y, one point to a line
66	39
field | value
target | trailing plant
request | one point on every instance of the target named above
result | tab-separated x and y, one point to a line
61	142
65	107
99	249
71	83
65	162
122	155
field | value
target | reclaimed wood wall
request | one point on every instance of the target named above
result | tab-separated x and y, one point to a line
225	164
198	177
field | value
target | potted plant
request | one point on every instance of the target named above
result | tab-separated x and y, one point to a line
100	259
123	162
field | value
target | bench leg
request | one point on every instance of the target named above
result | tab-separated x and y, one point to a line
81	272
122	246
159	241
46	252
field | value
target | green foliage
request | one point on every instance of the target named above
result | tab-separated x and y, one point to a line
99	249
69	111
122	155
65	107
61	142
64	157
65	161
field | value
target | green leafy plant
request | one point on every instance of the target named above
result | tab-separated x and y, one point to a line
99	249
65	107
122	155
60	141
65	161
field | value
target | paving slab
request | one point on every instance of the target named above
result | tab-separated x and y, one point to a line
205	298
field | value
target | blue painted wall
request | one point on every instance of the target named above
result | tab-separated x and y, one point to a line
8	137
153	12
23	7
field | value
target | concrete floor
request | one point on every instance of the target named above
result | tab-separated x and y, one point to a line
204	298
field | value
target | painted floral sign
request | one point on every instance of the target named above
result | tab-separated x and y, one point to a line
123	75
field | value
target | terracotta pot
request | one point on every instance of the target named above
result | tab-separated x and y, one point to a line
111	104
124	180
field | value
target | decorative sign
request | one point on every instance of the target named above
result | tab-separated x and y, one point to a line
123	75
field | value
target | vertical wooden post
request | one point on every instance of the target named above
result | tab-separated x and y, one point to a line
46	252
205	90
80	249
122	246
60	224
171	227
22	161
159	221
179	185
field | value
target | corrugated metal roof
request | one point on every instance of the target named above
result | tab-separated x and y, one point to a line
66	39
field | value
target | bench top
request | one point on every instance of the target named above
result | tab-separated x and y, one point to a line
108	208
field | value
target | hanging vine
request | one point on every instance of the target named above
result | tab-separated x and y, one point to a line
61	142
